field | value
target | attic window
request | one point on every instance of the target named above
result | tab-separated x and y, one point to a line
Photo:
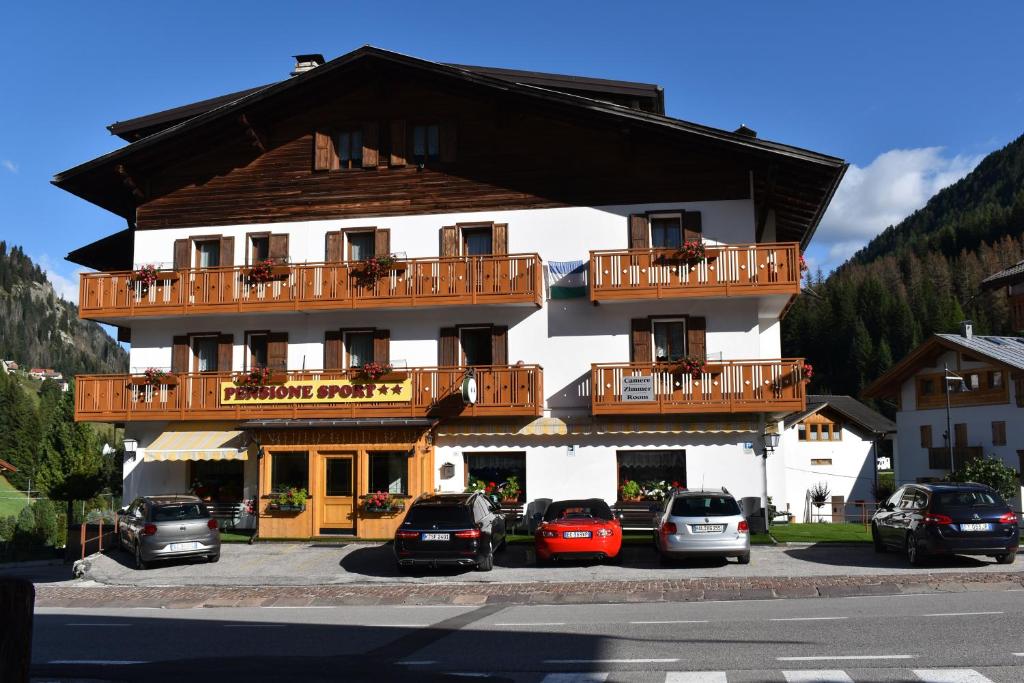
426	143
350	148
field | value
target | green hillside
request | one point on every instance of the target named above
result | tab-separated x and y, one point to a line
11	500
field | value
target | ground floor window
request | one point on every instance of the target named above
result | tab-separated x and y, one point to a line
289	470
649	474
389	472
507	471
217	481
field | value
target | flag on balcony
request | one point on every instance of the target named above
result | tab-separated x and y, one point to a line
567	279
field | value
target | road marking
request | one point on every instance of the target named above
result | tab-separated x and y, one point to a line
536	623
817	676
253	625
418	662
826	658
95	624
590	677
1018	654
673	621
98	662
695	677
808	618
951	676
402	625
960	614
611	661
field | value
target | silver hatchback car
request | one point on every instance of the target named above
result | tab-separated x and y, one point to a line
168	527
702	524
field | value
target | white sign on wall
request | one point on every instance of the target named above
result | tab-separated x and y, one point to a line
638	388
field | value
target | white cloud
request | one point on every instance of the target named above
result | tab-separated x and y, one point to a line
883	193
66	287
9	165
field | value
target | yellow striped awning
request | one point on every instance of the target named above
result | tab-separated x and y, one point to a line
554	426
198	441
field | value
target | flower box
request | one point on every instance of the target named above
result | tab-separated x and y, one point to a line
375	509
714	368
285	507
167	380
258	275
510	501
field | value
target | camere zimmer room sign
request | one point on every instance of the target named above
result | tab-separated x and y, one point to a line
638	388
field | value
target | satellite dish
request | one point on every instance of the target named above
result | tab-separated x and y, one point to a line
469	390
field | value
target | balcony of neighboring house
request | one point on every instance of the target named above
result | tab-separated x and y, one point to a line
272	287
502	390
726	386
687	271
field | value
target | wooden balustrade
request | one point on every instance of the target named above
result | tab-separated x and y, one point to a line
728	270
502	391
463	280
735	386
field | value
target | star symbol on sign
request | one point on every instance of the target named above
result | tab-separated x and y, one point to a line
397	389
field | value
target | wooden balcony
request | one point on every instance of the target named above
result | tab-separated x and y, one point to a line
733	270
449	281
502	391
734	386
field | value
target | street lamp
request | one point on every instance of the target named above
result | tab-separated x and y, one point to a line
130	446
948	377
770	441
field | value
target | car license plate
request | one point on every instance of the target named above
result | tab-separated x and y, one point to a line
435	537
974	527
576	534
708	528
184	546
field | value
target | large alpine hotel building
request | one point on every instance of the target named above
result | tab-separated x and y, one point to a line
609	279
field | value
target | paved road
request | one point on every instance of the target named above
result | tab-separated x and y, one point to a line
291	564
967	637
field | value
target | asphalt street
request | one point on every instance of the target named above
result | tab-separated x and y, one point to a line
968	637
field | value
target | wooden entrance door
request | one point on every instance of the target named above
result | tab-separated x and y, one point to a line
338	502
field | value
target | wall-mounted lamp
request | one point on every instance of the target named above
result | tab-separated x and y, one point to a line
447	470
770	441
130	446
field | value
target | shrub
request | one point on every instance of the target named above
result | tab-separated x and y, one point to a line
46	522
7	528
25	527
990	471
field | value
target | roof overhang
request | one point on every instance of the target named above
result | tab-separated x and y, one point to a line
113	252
349	423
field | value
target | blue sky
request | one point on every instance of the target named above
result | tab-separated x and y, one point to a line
911	93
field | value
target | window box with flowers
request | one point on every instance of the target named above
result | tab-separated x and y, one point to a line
148	275
378	372
690	365
806	372
630	491
288	500
488	488
260	377
371	270
266	271
692	251
154	377
382	502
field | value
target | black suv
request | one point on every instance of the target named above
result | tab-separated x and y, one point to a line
462	529
933	519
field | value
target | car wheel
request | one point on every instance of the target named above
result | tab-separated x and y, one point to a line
876	539
213	558
744	559
1006	558
486	562
139	562
914	554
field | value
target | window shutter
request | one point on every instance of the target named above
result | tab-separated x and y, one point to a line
639	234
960	435
332	350
640	331
277	350
382	243
448	347
278	248
926	436
227	252
448	143
181	255
180	354
691	226
449	240
398	143
225	352
325	155
499	238
382	346
370	145
334	246
696	337
499	345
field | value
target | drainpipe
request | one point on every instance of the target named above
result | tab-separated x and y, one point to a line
256	495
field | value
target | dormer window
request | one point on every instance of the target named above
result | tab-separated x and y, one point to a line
426	143
349	144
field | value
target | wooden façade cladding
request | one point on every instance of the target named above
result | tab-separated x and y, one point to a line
507	157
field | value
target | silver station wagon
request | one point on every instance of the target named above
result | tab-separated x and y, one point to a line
168	527
702	524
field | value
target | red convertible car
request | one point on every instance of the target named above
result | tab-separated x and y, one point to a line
579	530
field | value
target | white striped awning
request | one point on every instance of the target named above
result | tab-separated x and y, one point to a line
554	426
198	441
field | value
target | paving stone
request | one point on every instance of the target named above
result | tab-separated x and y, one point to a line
853	591
796	592
951	587
683	596
993	586
469	599
740	594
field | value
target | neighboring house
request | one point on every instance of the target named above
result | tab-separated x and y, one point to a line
8	366
986	408
835	442
45	373
672	251
6	468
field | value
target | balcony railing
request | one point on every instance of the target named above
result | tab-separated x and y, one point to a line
502	391
733	270
447	281
735	386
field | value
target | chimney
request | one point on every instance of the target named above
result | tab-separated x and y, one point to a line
304	63
745	131
966	329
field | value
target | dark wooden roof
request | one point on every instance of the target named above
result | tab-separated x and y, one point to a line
113	252
796	183
143	126
847	406
4	465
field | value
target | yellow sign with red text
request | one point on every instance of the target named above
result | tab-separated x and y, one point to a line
317	391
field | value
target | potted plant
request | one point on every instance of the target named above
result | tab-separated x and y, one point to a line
630	491
691	251
371	270
288	499
654	490
694	367
266	271
807	372
201	491
381	501
146	276
510	490
819	494
154	377
260	377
